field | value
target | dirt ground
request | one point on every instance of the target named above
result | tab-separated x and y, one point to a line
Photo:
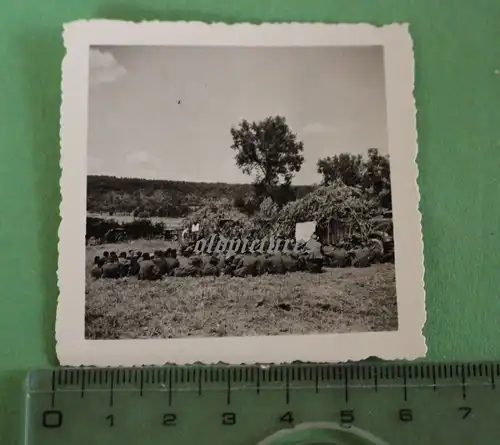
336	301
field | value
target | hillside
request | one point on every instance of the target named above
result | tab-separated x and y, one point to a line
107	194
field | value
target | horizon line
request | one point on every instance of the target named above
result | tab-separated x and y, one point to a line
189	181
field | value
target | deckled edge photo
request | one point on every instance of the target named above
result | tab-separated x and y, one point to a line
407	342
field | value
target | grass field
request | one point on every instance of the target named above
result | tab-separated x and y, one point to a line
339	300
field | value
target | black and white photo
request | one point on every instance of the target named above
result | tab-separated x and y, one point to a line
238	193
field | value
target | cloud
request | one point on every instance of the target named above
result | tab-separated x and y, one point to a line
318	128
104	68
137	157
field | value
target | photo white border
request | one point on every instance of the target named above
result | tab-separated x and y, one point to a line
407	342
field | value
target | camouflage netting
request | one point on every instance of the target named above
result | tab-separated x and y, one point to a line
222	217
337	202
217	215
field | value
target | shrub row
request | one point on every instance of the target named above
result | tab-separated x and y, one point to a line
137	229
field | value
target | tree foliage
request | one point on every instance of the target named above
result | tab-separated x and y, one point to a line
268	150
377	177
162	198
345	167
373	173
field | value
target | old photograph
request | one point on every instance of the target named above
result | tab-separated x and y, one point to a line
246	201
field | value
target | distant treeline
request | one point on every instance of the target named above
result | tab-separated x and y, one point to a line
147	197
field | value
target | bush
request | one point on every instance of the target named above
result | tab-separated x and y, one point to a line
137	229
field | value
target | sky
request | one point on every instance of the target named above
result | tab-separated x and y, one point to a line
166	112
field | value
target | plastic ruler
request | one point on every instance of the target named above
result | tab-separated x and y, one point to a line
445	404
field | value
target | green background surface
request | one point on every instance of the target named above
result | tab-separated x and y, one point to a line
457	52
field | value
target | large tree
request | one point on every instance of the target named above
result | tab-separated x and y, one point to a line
372	173
377	176
344	167
269	150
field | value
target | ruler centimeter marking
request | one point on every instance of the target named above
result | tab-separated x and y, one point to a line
401	403
289	377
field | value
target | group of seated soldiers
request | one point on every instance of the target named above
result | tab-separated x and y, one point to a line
146	266
154	266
